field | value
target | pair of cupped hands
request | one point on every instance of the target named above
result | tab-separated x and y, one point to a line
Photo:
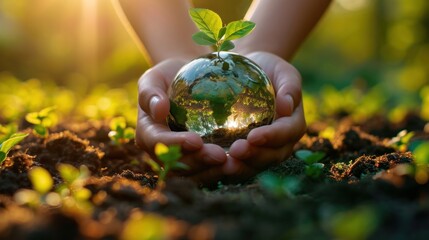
209	163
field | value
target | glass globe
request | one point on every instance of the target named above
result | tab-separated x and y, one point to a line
221	96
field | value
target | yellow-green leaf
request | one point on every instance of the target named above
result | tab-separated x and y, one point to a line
238	29
207	21
9	143
160	148
41	179
68	172
33	118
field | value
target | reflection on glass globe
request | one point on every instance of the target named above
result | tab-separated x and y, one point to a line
221	97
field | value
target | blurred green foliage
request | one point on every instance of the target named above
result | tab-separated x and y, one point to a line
364	57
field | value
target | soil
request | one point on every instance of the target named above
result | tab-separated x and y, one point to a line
363	192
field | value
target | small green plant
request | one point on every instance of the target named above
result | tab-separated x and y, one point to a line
313	168
401	141
7	144
42	120
71	194
279	186
40	195
6	131
421	162
169	156
213	33
119	132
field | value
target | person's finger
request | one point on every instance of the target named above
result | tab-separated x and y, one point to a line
153	87
260	158
236	170
287	82
281	131
149	133
208	156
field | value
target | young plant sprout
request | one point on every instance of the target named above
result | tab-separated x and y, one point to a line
42	120
6	131
41	194
401	141
313	168
213	33
279	186
222	95
421	162
71	194
119	132
7	144
169	156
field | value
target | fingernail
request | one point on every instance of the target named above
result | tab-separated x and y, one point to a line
152	105
290	103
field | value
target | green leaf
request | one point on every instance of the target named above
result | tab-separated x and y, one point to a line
41	180
221	32
41	130
174	153
46	111
129	133
118	122
207	21
238	29
68	172
9	143
226	46
33	118
2	156
154	165
309	157
303	154
421	154
202	39
180	165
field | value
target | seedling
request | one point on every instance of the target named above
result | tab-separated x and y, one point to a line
42	120
40	195
71	194
212	32
6	131
313	168
280	186
402	140
72	191
6	145
119	132
421	162
169	156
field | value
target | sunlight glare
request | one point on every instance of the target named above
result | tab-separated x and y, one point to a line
89	38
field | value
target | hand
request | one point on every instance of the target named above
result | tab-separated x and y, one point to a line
205	160
271	144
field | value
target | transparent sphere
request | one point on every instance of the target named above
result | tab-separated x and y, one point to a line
221	97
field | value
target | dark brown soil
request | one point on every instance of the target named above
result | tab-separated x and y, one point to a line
361	171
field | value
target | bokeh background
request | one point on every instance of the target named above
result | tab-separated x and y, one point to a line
364	57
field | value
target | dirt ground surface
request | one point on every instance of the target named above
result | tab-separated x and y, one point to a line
363	191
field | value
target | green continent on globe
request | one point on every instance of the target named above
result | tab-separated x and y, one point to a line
221	97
